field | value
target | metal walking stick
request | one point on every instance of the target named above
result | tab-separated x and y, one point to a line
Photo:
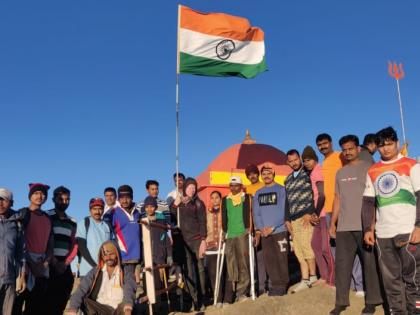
219	271
251	265
216	286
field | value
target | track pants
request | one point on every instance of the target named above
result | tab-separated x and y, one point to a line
400	267
276	250
322	249
350	243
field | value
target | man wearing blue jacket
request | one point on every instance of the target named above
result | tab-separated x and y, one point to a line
269	209
12	258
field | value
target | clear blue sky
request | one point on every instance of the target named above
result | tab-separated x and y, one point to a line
87	88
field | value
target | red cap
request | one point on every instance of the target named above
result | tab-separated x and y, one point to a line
96	202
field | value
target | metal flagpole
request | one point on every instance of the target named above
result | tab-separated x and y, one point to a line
397	72
177	114
401	110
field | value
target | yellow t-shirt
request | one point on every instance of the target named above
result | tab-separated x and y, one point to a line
252	189
329	168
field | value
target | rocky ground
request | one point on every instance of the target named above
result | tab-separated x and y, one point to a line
317	300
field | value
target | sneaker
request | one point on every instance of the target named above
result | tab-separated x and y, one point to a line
172	278
360	294
319	282
303	285
338	309
219	305
369	309
312	280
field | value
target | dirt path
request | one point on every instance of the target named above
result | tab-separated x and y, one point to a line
318	300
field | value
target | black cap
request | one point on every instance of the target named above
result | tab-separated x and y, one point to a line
125	190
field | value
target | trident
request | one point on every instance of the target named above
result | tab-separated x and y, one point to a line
397	72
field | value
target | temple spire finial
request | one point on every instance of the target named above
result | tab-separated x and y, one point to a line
248	139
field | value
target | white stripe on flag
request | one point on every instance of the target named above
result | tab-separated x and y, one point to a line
203	45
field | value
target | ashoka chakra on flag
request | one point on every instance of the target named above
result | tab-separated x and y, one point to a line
217	44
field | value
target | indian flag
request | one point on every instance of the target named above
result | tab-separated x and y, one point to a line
217	44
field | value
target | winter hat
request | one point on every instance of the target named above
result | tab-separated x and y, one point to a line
309	153
252	168
34	187
150	201
6	194
125	190
94	202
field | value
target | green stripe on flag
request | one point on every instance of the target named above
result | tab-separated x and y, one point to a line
403	196
211	67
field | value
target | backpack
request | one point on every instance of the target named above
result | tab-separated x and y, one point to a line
87	225
86	222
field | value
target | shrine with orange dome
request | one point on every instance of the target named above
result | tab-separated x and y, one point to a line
234	160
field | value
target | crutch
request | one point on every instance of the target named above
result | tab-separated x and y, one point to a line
219	267
251	265
165	281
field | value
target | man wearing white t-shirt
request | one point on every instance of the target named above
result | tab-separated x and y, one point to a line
393	186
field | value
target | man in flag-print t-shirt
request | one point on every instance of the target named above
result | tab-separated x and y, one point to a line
393	187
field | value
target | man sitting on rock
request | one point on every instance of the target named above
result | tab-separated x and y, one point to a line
105	290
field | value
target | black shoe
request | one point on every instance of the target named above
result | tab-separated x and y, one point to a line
276	292
197	307
338	309
369	309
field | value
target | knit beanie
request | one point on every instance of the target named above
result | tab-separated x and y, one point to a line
34	187
150	201
309	153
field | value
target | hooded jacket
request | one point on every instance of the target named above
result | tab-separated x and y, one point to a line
91	283
192	215
12	247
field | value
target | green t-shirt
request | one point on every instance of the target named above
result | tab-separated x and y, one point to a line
235	217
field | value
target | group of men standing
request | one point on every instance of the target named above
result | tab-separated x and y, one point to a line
371	210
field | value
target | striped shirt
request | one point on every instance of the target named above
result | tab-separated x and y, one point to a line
64	231
162	210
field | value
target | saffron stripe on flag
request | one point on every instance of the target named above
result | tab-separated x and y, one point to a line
220	24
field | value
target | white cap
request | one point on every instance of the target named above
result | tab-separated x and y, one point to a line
6	194
235	180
